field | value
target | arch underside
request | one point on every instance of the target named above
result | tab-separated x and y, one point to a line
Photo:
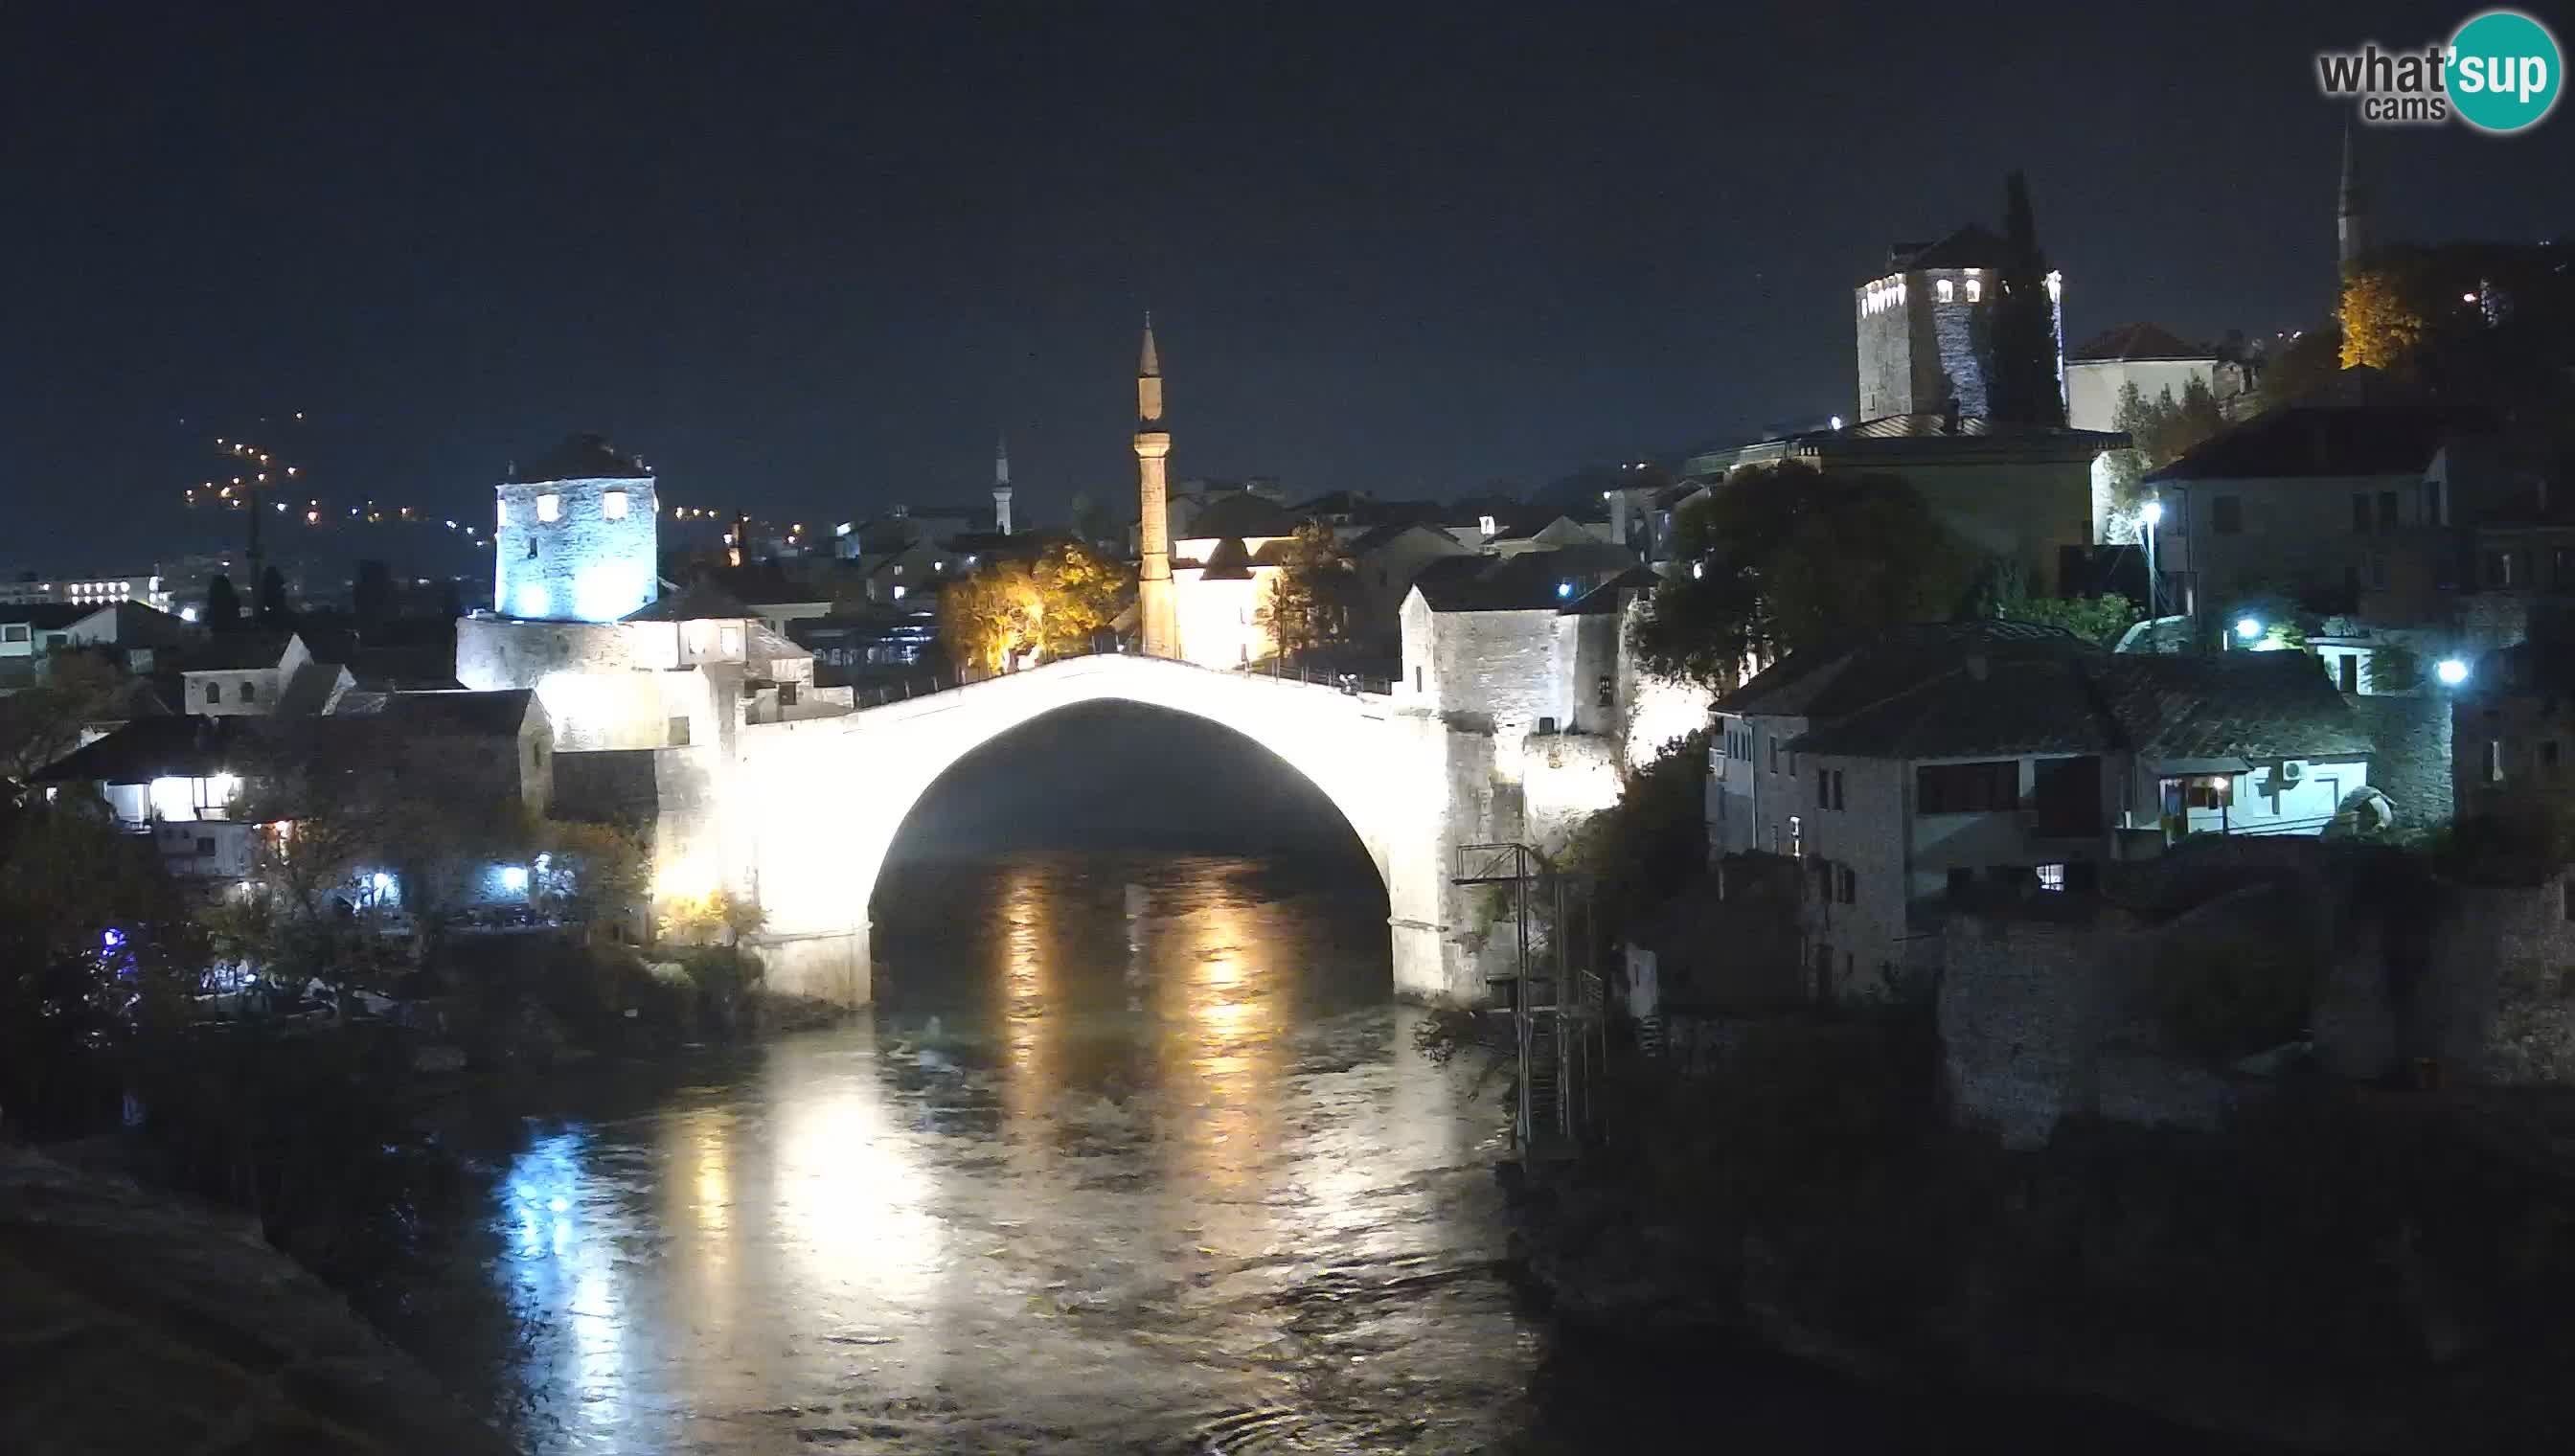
826	799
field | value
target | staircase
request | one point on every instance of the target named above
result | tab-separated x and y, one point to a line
1555	1037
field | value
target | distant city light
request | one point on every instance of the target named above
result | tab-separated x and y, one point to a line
2451	671
2247	628
381	882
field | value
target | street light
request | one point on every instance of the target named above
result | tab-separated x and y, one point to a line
2248	627
2154	515
2451	671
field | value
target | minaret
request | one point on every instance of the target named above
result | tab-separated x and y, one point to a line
1158	613
2351	213
1002	485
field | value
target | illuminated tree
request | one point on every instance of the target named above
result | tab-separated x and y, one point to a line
1307	609
2382	321
1080	594
990	616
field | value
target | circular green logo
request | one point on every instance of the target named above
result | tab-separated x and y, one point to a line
2505	71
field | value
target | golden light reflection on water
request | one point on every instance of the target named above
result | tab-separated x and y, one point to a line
1028	1017
1222	1052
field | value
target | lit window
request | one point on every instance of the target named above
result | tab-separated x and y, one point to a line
612	504
1948	291
504	512
550	508
1976	290
897	594
2052	878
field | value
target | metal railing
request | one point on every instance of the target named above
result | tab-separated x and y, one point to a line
905	690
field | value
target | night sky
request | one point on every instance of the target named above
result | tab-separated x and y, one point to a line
814	260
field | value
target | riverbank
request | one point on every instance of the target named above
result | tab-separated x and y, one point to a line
139	1321
2340	1271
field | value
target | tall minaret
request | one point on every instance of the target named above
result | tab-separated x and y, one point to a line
2351	213
1158	613
1002	485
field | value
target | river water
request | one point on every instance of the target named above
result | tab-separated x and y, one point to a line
1133	1155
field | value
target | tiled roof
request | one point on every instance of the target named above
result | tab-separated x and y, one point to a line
177	747
1829	680
2137	340
698	603
2308	439
1523	582
1606	597
499	712
232	651
1996	705
1240	513
1969	247
2276	704
45	615
1228	562
579	458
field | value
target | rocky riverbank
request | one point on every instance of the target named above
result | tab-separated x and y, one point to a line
2341	1277
138	1321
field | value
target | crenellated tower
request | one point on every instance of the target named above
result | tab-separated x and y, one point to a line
1157	610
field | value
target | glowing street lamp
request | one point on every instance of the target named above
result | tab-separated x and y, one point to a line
2452	672
2248	627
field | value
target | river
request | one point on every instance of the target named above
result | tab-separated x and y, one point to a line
1132	1154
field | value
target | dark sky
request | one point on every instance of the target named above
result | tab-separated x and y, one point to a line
813	259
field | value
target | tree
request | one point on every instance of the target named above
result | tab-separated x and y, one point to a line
2099	620
2393	667
2159	432
222	604
590	871
1308	608
991	615
2306	363
2026	387
96	948
696	920
272	598
41	723
1080	593
1090	524
2382	320
1785	557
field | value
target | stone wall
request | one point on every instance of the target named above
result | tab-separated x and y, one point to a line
2498	1006
2411	764
583	564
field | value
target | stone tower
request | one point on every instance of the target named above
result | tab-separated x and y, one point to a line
2351	213
1925	327
578	537
1157	610
1002	486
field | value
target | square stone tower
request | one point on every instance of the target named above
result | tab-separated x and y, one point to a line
578	537
1925	327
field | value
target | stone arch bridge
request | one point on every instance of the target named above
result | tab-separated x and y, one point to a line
800	816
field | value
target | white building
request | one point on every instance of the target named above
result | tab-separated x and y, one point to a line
1943	764
90	589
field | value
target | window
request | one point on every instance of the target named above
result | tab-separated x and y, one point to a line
1823	789
2548	754
249	691
1976	290
214	693
1837	789
678	733
2052	878
2498	568
1796	837
612	504
2387	509
550	507
205	845
1608	692
1955	789
2348	665
1846	884
2359	512
1948	291
2226	515
14	632
2204	790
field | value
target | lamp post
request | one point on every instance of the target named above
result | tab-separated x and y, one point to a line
2154	516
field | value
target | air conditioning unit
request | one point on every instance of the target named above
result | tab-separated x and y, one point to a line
2289	771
